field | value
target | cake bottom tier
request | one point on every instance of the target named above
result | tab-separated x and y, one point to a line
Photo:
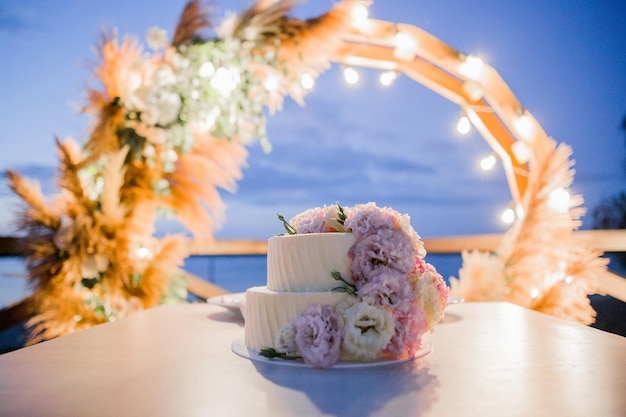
267	311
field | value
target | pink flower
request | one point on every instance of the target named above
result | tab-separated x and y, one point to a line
318	220
389	288
410	327
368	218
319	333
309	221
385	249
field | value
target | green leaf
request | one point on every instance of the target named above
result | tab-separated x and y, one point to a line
345	285
289	228
89	283
271	353
136	279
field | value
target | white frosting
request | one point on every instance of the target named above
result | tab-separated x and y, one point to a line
304	262
268	311
299	271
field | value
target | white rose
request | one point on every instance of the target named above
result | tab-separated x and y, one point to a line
368	330
285	340
331	215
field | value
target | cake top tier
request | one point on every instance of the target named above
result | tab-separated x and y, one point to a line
305	262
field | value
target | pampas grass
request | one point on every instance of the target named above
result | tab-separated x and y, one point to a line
92	251
539	264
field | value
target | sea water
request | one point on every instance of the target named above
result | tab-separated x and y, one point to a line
234	273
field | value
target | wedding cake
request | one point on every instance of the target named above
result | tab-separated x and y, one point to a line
344	284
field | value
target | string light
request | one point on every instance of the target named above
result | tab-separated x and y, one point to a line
307	81
508	216
360	14
406	46
521	151
144	253
472	67
524	126
559	200
488	162
351	75
464	125
388	77
271	83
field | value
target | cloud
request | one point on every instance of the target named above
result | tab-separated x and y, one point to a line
14	22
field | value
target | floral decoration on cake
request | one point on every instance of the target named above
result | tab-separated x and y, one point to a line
395	296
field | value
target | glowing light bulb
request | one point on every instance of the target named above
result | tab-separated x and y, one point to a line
521	151
559	200
307	81
351	75
387	78
488	162
360	14
406	46
508	216
463	126
271	83
144	253
472	67
524	126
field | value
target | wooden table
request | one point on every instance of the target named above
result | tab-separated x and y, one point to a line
489	359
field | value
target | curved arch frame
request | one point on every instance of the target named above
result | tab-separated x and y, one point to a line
483	95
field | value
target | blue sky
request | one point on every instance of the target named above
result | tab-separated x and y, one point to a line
563	59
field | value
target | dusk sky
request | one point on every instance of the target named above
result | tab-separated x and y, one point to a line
397	146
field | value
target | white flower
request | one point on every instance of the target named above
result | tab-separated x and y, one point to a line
206	70
285	340
225	81
331	215
368	330
180	136
156	99
156	38
164	76
161	108
429	297
169	156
